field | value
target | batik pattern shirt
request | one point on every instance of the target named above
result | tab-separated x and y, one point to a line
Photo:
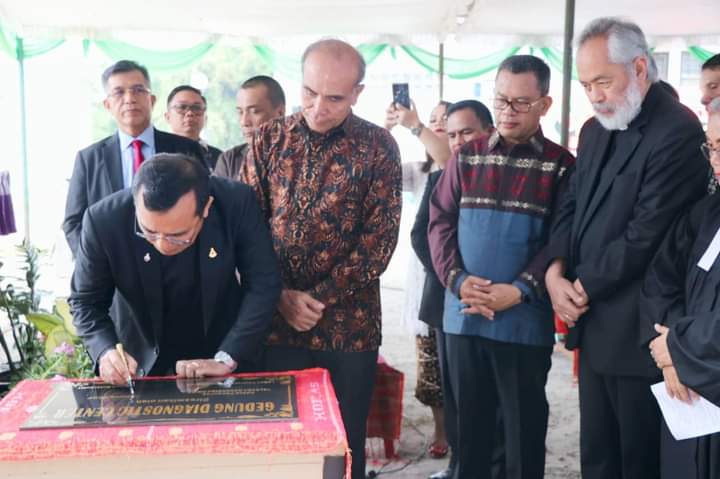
333	204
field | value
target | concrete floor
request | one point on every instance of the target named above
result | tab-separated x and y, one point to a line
562	460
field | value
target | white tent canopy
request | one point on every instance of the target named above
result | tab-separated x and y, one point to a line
696	20
501	23
521	21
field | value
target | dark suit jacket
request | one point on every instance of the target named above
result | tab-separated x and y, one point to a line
231	161
433	295
98	173
211	155
608	238
111	258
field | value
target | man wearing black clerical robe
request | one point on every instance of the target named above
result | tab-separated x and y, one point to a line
192	259
681	292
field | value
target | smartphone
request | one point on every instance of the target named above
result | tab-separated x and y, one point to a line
401	94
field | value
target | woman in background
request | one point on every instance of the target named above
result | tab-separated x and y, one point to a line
428	389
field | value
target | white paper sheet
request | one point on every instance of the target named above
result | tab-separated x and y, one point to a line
711	254
687	420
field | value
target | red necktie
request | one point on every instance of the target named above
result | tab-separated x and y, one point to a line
138	157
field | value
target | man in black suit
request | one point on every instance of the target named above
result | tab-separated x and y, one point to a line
170	248
638	166
187	114
108	165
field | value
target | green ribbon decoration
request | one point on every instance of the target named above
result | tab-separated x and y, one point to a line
285	65
27	48
554	57
700	53
290	66
456	68
154	59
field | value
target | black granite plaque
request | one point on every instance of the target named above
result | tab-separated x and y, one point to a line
167	401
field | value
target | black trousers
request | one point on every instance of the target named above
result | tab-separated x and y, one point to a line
695	458
619	426
489	376
449	406
352	376
677	458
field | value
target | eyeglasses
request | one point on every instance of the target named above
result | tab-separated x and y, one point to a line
137	90
518	106
708	150
153	237
183	108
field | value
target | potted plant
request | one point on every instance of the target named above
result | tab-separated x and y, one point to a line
46	343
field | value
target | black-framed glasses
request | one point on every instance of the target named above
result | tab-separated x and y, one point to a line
518	106
183	108
135	90
153	237
708	150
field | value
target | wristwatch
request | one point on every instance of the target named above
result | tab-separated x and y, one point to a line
224	358
416	130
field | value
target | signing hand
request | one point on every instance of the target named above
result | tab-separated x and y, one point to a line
200	368
475	293
658	348
506	296
112	369
675	388
300	310
568	303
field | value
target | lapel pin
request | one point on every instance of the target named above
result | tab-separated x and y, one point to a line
146	258
212	254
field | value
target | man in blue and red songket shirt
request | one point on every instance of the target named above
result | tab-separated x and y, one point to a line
490	217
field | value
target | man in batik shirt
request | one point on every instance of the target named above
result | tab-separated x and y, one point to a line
330	184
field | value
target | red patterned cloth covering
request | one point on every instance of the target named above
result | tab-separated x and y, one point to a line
318	429
385	418
561	329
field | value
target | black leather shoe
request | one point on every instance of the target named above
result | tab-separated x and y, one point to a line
444	474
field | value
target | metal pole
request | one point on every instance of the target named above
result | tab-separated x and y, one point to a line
441	68
567	71
20	53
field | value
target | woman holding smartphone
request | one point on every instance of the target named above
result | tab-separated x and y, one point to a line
428	389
